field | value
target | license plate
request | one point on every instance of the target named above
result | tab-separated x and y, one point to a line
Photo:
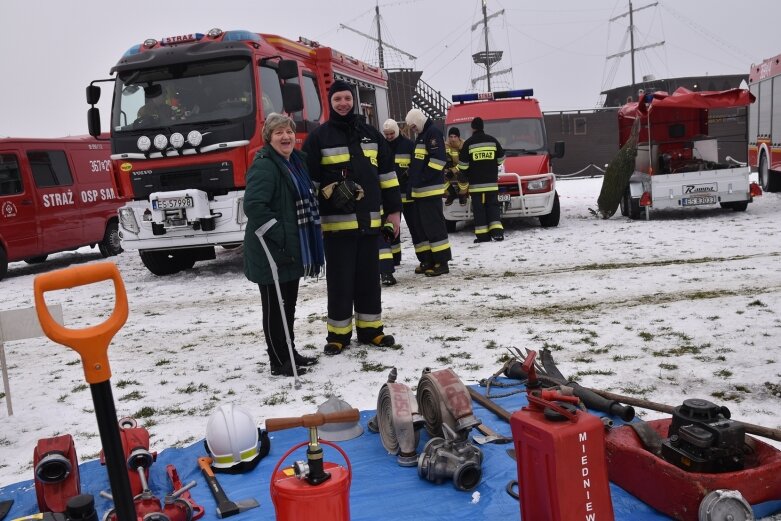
504	198
173	204
698	200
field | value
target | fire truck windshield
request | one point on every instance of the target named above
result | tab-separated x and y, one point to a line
183	93
524	135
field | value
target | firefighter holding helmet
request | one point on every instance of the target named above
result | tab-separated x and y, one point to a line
351	165
426	186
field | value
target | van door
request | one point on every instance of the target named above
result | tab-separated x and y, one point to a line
59	214
18	224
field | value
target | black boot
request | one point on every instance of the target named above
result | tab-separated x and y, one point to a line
286	369
302	360
387	279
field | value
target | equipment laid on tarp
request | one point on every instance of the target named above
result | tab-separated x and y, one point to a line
312	489
125	446
398	421
56	472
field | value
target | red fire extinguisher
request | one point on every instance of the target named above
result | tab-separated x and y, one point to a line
560	449
312	489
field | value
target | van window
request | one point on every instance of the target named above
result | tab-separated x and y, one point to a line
50	168
10	179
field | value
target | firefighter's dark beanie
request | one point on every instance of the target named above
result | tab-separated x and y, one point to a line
477	123
339	86
454	132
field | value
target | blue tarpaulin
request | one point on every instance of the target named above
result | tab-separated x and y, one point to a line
381	489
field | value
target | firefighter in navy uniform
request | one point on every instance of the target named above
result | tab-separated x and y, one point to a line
479	159
426	187
401	149
350	164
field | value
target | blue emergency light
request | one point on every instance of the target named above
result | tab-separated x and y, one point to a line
482	96
240	36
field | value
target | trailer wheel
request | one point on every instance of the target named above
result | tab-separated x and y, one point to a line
630	206
3	263
451	226
110	245
770	181
161	262
738	206
36	260
552	219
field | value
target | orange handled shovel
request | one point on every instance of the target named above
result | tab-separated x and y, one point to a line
92	345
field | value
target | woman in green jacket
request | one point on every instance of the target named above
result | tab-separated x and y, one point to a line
278	187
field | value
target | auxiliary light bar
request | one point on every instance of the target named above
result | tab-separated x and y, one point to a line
481	96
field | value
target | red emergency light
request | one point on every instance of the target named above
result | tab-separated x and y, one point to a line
482	96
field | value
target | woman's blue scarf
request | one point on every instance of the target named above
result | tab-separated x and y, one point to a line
308	218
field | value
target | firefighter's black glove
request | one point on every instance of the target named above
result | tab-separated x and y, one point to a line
388	232
342	195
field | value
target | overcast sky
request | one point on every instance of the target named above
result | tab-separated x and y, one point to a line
51	49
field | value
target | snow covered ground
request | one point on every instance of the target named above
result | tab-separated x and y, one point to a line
685	305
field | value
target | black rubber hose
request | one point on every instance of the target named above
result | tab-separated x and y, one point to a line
589	398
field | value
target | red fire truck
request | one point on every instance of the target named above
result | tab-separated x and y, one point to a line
55	195
527	184
186	122
764	123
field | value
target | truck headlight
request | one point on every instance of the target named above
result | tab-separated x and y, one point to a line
127	219
537	185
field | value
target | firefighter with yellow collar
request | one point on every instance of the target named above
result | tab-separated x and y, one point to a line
351	166
426	187
480	158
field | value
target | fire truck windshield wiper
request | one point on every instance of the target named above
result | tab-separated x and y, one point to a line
520	152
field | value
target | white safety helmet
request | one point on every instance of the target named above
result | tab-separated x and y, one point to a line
232	439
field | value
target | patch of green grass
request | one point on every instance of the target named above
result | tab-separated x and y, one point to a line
668	367
74	362
775	389
583	359
275	399
757	303
79	388
62	398
599	350
743	389
726	396
145	412
191	388
135	395
373	367
455	338
163	361
678	351
623	358
724	373
637	390
589	372
121	384
646	336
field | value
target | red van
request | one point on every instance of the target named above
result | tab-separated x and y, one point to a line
56	195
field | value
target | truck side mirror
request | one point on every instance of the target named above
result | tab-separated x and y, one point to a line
292	99
287	69
93	94
558	149
93	121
